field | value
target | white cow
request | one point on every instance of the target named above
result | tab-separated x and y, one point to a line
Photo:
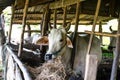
112	44
33	38
60	44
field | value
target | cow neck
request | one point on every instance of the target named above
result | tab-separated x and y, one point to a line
56	53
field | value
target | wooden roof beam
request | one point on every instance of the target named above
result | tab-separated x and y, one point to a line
63	3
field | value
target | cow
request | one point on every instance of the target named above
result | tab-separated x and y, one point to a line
32	39
112	45
60	45
28	40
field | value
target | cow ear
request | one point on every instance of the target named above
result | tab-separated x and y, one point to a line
69	43
42	41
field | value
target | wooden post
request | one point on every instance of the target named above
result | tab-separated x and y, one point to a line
29	30
55	18
26	75
11	23
100	30
2	32
94	24
45	21
117	53
23	26
75	34
64	16
89	71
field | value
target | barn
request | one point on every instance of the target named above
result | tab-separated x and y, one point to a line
18	59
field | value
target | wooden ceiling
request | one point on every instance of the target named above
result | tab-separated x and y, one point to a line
19	4
109	9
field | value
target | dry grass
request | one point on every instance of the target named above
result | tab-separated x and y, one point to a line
52	70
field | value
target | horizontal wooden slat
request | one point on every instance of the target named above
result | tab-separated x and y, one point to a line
33	31
21	66
82	17
100	34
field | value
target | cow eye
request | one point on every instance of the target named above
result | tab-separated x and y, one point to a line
61	40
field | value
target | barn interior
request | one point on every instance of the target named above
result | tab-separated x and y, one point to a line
108	10
61	12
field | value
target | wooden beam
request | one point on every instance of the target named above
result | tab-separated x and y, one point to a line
23	28
63	3
82	17
54	18
116	54
69	14
91	67
74	41
100	30
94	24
112	8
99	33
45	21
27	21
33	31
29	15
26	75
91	40
51	21
11	23
64	16
20	3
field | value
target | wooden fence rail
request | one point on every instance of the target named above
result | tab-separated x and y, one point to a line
13	67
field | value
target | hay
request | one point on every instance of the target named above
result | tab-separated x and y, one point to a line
53	70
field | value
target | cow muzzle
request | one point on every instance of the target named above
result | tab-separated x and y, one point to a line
48	57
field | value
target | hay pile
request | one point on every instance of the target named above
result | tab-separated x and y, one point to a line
53	70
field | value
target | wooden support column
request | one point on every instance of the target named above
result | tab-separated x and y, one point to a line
94	24
11	23
117	53
45	21
2	33
112	7
29	30
55	18
91	65
100	30
75	34
23	27
64	16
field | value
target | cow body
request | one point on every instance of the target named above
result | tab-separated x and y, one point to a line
112	44
33	38
59	44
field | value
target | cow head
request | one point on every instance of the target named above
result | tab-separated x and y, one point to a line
57	41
